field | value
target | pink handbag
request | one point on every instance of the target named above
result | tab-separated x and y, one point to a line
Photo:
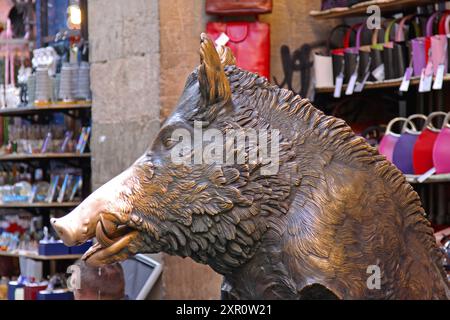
438	46
441	150
390	139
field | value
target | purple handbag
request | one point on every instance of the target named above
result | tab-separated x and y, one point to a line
419	47
402	157
418	55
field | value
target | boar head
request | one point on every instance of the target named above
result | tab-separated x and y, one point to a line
208	212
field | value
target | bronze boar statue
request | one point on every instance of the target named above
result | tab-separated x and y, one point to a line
334	214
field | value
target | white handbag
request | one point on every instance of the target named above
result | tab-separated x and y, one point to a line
323	71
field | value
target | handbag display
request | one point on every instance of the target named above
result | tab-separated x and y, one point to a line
418	55
376	55
441	149
402	156
241	7
351	54
249	41
423	149
401	49
447	33
390	138
323	71
438	46
337	55
388	52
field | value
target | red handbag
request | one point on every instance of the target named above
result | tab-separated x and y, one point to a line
249	41
240	7
423	149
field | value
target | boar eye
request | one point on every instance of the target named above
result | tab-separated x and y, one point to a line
169	142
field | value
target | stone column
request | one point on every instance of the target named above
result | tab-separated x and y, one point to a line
124	55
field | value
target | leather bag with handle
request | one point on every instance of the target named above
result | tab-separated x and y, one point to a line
423	149
441	149
323	63
438	45
390	138
447	33
388	52
238	7
359	56
402	48
249	41
376	54
404	148
337	55
351	55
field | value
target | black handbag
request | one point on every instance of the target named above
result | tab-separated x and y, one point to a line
376	54
337	54
388	52
402	47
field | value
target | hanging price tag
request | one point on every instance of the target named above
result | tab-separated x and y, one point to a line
360	85
426	78
406	79
439	79
426	175
378	72
222	40
351	84
338	87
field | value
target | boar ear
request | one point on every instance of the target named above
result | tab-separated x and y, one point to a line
214	85
226	56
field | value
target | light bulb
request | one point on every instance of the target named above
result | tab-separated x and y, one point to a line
74	16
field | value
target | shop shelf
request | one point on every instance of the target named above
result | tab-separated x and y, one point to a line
38	205
379	85
437	178
386	6
39	257
26	111
43	156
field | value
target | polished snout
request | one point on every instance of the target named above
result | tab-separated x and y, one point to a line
80	225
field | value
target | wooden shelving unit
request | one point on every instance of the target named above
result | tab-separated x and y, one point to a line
380	85
360	9
39	257
63	107
43	156
438	178
38	205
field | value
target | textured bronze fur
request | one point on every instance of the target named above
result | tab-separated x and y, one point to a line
335	207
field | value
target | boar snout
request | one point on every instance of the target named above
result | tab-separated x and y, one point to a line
105	215
79	225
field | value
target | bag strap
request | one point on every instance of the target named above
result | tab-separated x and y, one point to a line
349	33
341	26
387	34
430	21
400	34
394	121
429	123
358	35
376	34
410	119
446	122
